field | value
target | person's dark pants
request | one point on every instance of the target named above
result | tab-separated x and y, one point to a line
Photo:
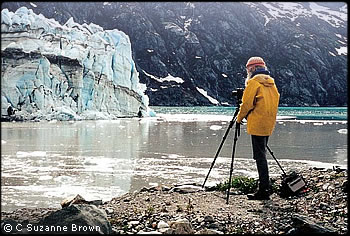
259	154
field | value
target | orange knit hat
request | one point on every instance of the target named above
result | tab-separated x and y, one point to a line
255	61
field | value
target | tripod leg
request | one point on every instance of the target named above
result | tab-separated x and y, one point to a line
219	149
268	148
233	156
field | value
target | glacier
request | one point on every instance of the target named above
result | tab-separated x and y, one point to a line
51	71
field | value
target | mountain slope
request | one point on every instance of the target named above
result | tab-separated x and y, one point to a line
194	53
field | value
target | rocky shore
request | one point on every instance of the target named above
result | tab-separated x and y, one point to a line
188	209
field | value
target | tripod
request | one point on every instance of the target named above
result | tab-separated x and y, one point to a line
284	173
237	133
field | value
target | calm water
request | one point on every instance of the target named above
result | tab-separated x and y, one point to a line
44	162
300	113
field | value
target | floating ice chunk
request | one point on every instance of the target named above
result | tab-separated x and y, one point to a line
174	156
343	131
151	113
31	154
215	127
286	117
45	177
64	179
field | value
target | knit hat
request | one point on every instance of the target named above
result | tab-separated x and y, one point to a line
255	61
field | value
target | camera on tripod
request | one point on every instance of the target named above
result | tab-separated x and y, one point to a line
238	93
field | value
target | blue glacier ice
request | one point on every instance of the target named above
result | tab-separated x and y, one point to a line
70	71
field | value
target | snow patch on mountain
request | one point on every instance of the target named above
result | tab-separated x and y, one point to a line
167	78
294	10
205	94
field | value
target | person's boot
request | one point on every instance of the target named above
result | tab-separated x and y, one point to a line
259	195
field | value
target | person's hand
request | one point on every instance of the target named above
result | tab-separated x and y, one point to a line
241	123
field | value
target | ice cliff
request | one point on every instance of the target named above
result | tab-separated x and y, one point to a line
66	72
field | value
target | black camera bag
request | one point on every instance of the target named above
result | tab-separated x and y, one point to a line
291	183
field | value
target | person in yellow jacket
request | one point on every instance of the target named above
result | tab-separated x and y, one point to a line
259	106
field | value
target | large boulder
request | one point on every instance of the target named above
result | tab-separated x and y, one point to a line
77	219
304	225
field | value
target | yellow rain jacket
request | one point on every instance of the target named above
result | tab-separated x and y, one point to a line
259	105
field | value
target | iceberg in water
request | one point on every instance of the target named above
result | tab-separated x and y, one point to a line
66	72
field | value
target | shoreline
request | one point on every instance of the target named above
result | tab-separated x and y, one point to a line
211	182
180	117
324	203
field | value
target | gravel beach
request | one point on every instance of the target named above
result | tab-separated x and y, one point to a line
156	209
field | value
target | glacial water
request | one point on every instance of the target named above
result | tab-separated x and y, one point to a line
44	162
300	113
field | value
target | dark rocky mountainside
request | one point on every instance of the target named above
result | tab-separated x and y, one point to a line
182	49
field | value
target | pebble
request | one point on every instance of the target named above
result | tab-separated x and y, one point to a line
162	224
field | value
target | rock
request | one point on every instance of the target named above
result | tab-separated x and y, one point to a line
208	219
78	219
127	199
133	223
304	225
165	188
79	200
96	202
345	186
109	210
73	200
323	205
187	189
150	232
9	226
325	187
162	224
145	189
209	231
181	226
166	231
